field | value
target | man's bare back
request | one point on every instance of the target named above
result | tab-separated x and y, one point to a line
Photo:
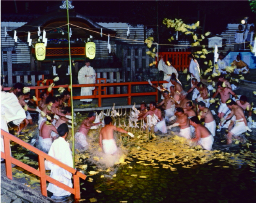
201	132
46	130
190	113
207	115
107	132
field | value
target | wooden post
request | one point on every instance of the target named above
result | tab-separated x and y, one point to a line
118	81
76	187
140	57
25	78
99	94
132	72
9	67
111	76
33	80
8	158
17	79
129	92
42	175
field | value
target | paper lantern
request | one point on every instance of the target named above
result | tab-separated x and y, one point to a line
90	48
40	51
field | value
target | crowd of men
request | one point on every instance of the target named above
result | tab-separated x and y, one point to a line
194	117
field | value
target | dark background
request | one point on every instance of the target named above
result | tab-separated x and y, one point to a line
213	15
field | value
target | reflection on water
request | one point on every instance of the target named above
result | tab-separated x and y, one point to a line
167	169
161	169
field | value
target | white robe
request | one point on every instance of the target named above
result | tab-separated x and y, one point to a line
167	70
222	64
86	91
195	70
60	150
11	110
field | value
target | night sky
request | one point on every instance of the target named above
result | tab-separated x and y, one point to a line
216	14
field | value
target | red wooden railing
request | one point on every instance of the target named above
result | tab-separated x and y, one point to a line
101	87
9	160
179	59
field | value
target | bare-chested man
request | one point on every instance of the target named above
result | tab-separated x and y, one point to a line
246	106
62	119
45	132
161	125
203	135
80	136
189	110
106	140
206	114
225	81
42	102
183	101
168	104
241	123
143	109
177	86
203	94
194	88
224	95
183	122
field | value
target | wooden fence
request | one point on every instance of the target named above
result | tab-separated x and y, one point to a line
179	59
100	89
9	160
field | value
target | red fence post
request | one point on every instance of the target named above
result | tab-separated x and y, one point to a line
42	175
129	92
8	158
76	187
99	93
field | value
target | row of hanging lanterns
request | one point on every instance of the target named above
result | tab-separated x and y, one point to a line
40	48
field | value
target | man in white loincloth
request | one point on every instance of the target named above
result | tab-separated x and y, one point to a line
168	104
203	135
240	124
178	86
106	140
224	95
61	151
203	94
189	109
45	135
80	137
183	122
62	119
194	88
206	114
86	75
246	106
161	125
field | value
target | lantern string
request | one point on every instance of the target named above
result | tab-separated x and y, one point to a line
127	39
71	89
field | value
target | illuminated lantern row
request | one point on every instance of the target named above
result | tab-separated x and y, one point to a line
40	50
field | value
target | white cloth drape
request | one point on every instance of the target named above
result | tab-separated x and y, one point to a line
194	69
11	110
60	150
86	91
167	70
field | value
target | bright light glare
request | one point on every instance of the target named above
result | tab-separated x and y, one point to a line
243	21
